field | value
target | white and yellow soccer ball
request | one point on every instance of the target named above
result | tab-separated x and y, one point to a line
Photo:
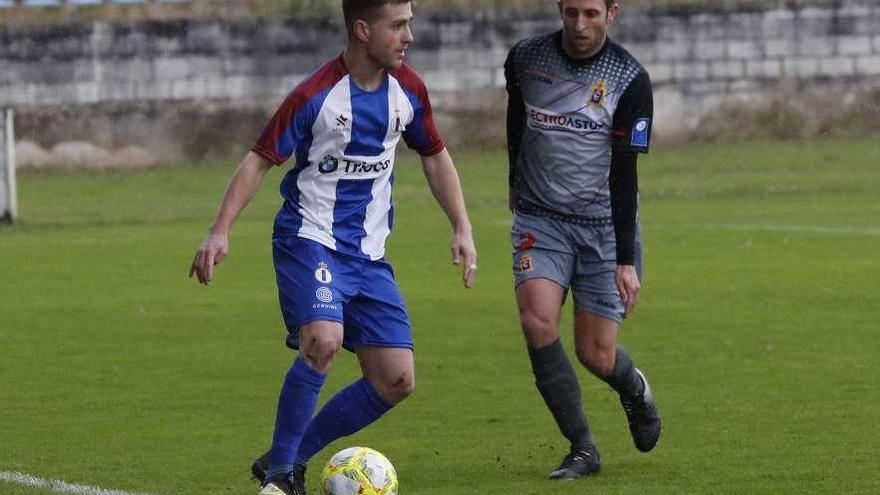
359	470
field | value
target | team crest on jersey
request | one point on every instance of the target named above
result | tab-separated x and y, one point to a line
322	274
524	265
598	95
398	123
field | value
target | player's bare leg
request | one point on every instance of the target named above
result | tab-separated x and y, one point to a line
390	370
597	349
319	343
388	378
540	301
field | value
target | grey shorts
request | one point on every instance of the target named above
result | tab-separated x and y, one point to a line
579	257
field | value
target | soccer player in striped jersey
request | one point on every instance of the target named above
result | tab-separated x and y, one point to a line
579	113
342	125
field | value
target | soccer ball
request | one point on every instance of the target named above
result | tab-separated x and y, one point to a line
359	470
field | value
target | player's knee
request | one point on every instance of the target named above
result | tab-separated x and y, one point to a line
539	330
598	360
397	388
320	351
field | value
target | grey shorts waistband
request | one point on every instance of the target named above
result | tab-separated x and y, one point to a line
540	211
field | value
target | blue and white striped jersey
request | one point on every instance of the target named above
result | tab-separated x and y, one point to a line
344	139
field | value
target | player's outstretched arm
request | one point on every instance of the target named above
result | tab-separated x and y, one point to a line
244	183
446	187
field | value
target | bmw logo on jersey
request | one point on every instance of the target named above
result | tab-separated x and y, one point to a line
328	165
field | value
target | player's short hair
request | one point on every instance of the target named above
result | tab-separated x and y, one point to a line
608	3
366	10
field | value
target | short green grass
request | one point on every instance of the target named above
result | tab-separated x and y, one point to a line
757	326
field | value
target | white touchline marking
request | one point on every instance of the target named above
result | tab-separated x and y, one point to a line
24	241
793	229
58	486
735	227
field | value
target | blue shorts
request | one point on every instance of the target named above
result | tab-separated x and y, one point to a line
318	283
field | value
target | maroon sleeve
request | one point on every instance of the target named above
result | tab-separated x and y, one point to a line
292	123
271	144
421	134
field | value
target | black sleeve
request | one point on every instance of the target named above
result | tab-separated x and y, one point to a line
631	135
624	185
516	119
633	118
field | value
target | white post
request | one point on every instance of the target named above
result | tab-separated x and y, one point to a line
8	196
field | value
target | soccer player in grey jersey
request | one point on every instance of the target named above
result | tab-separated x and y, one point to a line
579	112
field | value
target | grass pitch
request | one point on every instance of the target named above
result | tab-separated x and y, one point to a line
757	327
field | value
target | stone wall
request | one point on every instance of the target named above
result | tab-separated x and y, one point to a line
698	59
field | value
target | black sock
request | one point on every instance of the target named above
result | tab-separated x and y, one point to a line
558	384
624	378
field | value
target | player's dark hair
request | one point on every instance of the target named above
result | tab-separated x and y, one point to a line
608	3
365	10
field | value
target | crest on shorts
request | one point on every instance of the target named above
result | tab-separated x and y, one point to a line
598	95
525	263
322	274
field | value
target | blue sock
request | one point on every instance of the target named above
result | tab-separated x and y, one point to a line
296	404
349	411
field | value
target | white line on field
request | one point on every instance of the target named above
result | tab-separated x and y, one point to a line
794	229
746	227
58	486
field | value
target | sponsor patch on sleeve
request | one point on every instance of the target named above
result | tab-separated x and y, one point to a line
640	133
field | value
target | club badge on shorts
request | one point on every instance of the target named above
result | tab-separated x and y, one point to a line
524	264
322	274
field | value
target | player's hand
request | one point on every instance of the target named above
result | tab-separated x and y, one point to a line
465	253
629	286
214	248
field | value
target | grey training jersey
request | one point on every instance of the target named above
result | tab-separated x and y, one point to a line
572	112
